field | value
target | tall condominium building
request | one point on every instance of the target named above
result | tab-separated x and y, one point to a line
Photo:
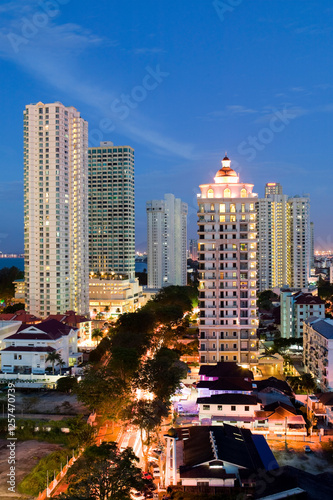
227	269
273	188
312	245
284	239
193	249
300	240
111	209
55	209
274	268
166	241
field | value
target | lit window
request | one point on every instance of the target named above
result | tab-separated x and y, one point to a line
210	193
232	207
243	193
222	207
227	193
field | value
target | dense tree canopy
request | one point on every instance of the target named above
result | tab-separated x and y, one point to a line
7	276
103	472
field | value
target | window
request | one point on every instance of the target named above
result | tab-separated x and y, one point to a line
233	408
246	408
243	193
232	207
206	407
227	193
222	207
219	407
210	193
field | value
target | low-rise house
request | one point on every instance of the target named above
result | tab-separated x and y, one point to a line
318	350
81	323
26	350
215	457
238	409
278	420
321	406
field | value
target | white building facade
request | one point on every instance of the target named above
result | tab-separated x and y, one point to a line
26	351
166	242
55	209
111	209
227	255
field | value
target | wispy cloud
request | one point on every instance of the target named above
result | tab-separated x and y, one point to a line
147	50
34	51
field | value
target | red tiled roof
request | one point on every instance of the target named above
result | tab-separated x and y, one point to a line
49	329
19	316
25	348
69	318
307	298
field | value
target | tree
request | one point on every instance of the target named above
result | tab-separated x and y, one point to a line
97	334
7	276
20	306
66	384
161	374
103	472
54	357
103	389
147	415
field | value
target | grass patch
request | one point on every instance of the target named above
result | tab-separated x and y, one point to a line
36	481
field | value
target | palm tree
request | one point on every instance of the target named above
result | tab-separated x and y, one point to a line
96	334
61	363
53	357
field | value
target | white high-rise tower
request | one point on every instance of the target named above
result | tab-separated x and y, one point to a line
166	242
55	209
227	269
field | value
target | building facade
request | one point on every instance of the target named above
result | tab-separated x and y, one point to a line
113	297
284	239
27	350
111	209
295	308
227	248
273	241
193	249
55	209
166	242
318	350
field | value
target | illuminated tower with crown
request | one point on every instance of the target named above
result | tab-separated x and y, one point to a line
227	255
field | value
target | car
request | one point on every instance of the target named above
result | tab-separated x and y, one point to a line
307	449
147	475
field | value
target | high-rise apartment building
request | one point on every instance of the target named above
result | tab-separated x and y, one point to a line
284	239
273	188
111	209
274	268
193	249
166	242
55	209
227	255
300	240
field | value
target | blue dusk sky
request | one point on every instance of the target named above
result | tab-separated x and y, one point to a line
181	82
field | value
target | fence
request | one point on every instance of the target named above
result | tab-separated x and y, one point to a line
51	487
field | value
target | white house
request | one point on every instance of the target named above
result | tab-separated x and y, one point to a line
26	350
229	408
